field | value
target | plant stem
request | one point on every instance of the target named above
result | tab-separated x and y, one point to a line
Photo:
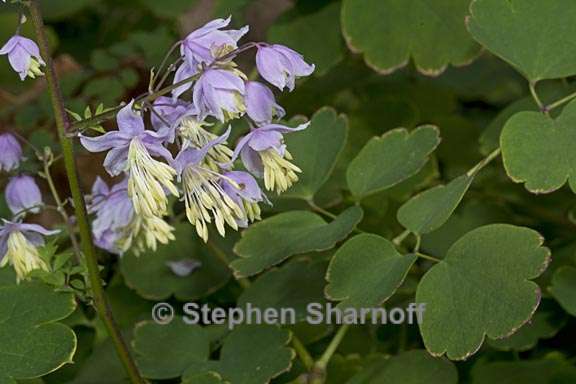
484	162
427	257
100	302
561	101
60	206
401	237
321	364
532	86
302	353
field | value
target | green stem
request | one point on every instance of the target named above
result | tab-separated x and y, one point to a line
532	86
401	237
563	100
427	257
100	302
319	371
302	353
483	163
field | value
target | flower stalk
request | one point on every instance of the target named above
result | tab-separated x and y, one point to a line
100	302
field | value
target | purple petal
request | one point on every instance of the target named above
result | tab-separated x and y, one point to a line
114	139
22	193
129	121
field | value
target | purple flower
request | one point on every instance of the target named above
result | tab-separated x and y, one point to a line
243	189
18	243
208	43
11	152
264	154
24	56
114	212
131	149
219	93
184	71
130	129
260	103
167	113
22	194
204	197
280	65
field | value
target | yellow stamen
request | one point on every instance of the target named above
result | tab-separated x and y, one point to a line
279	172
23	255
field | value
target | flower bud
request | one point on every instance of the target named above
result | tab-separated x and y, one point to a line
11	152
23	194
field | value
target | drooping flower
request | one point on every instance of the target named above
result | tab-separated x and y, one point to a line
24	56
204	197
280	65
11	152
261	105
116	227
166	112
264	154
18	247
193	134
209	42
23	195
244	190
131	149
220	93
184	72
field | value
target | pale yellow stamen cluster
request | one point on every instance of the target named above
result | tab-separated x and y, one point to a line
194	134
205	200
145	232
23	255
148	178
34	68
279	172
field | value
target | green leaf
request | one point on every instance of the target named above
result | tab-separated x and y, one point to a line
366	271
539	34
410	367
430	209
150	275
563	288
482	287
164	351
32	343
391	32
390	159
252	354
544	324
539	151
294	285
315	151
203	378
315	35
530	371
61	9
273	240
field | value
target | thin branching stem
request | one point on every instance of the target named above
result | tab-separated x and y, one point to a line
89	252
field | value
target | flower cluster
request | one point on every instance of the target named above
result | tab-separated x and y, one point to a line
182	152
19	241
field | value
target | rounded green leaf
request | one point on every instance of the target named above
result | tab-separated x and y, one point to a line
430	209
390	159
150	275
534	36
410	367
315	151
252	354
294	285
563	288
539	151
366	271
272	240
481	288
391	32
32	343
165	351
316	35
